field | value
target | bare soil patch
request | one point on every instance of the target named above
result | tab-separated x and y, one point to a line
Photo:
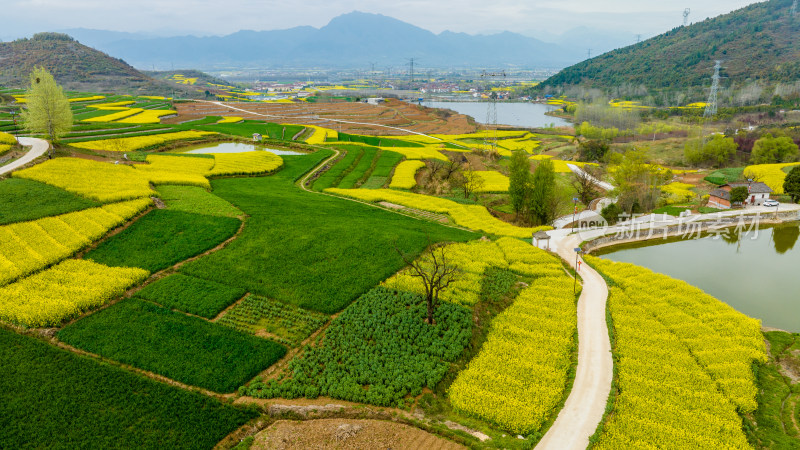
347	434
393	113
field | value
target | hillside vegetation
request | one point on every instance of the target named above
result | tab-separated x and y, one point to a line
74	65
757	42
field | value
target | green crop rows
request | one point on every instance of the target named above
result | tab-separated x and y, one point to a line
163	238
192	295
289	323
180	347
51	398
378	351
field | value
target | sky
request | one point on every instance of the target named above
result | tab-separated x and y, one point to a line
538	18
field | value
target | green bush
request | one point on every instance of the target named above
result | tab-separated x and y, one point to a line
192	295
172	344
52	398
163	238
378	351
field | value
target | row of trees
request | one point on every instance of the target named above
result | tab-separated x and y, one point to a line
719	149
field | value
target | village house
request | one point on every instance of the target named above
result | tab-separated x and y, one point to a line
721	198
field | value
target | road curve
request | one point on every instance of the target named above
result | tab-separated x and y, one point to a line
586	404
38	148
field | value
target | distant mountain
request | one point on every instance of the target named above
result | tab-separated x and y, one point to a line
355	39
74	65
758	42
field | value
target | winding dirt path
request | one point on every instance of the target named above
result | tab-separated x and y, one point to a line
586	404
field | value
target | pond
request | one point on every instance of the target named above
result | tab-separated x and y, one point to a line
756	273
529	115
235	147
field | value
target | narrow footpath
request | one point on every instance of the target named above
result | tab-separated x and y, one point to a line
38	148
586	404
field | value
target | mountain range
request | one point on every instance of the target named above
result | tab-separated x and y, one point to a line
756	43
352	40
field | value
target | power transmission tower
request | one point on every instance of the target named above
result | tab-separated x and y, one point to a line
794	8
638	38
411	62
491	113
686	13
711	104
589	54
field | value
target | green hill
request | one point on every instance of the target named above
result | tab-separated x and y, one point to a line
758	42
74	65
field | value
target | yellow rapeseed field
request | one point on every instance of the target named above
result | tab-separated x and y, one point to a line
770	174
28	247
405	174
64	291
473	217
140	142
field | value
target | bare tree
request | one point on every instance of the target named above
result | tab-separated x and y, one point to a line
471	182
435	166
436	272
585	184
452	167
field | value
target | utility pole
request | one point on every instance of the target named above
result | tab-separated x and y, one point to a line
711	105
686	13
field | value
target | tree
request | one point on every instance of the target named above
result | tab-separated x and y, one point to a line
637	183
770	150
48	111
519	181
593	150
739	195
436	272
542	193
715	151
585	183
471	181
611	213
791	186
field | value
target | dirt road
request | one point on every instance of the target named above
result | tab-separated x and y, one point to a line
586	404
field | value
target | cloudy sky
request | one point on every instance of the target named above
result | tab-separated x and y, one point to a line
539	18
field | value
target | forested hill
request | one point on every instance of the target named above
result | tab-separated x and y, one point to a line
74	65
758	42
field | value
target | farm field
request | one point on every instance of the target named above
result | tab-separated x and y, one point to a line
195	300
321	269
112	406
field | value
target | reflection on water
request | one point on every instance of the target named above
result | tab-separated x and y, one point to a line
236	147
756	273
530	115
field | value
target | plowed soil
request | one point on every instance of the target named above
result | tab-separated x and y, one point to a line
393	113
347	434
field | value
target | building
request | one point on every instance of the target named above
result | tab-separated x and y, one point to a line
721	198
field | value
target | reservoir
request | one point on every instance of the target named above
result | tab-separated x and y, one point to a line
528	115
755	273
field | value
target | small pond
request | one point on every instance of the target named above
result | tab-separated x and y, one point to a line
236	147
756	273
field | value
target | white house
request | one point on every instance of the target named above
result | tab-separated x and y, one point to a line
721	198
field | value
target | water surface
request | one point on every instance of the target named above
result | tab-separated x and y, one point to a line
529	115
236	147
758	274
